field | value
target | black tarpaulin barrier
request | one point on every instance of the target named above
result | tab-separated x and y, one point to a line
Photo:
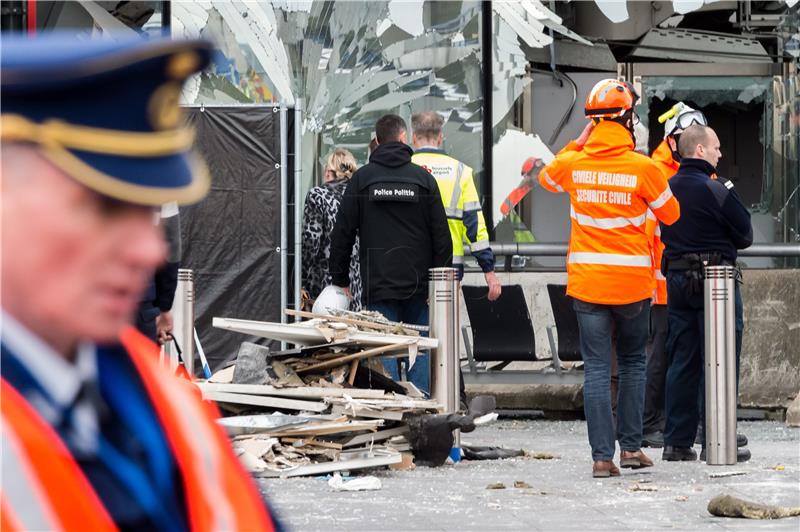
231	238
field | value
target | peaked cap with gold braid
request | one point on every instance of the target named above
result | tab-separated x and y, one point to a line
106	112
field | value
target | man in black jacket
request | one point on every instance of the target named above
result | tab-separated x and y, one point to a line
397	211
154	317
713	225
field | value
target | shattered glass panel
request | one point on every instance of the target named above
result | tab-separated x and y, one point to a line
349	62
352	62
516	24
758	122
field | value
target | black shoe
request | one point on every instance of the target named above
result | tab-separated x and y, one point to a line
653	439
741	439
678	454
742	454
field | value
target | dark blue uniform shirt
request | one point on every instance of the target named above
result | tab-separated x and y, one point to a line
713	218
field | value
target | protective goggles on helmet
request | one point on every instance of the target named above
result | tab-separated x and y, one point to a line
687	119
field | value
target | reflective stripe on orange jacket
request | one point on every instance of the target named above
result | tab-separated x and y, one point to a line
47	490
663	158
611	188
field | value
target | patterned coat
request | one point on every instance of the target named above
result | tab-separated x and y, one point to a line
322	205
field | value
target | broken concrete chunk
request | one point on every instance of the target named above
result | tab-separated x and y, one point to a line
251	364
496	486
728	506
642	486
541	455
521	484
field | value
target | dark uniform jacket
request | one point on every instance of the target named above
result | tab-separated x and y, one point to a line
713	218
396	208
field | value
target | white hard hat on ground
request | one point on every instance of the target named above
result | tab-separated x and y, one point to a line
330	299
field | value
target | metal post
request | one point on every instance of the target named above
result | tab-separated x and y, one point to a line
720	365
183	318
444	296
298	209
284	213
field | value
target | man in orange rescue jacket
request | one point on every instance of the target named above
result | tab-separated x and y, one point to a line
609	265
95	434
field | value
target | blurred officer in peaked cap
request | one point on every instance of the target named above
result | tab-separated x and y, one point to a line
95	434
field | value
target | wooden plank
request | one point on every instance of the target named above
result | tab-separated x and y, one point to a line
355	356
353	368
351	321
323	429
305	392
380	458
381	435
267	401
297	333
362	411
313	442
401	403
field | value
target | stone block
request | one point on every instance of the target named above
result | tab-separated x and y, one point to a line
793	412
770	360
251	364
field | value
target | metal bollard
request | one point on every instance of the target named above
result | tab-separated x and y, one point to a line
444	296
720	365
183	318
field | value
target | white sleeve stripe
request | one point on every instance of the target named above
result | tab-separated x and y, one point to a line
662	199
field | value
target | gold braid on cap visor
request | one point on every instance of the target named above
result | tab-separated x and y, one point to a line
55	138
55	133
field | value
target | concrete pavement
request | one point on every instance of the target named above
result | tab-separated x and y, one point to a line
562	496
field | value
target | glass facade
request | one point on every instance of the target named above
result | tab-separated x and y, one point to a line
349	63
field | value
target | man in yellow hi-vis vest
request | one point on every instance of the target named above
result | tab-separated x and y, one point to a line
461	203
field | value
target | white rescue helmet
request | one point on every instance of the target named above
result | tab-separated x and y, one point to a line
684	117
331	298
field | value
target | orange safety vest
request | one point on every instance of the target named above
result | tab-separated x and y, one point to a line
611	188
663	158
45	489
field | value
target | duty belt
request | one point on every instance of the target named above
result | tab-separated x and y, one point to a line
691	261
693	267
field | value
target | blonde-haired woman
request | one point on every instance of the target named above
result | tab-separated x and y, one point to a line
322	205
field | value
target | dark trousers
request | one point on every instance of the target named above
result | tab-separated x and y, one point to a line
685	349
657	364
597	324
146	319
413	311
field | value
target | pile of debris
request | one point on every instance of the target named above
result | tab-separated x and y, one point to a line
325	405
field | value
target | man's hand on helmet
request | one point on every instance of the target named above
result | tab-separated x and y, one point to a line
530	165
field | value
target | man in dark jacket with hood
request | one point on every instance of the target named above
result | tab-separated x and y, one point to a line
397	211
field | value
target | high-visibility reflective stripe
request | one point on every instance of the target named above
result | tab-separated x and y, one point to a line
610	259
476	206
551	182
456	195
458	259
662	199
660	276
456	214
25	495
651	215
606	223
480	245
658	230
206	457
